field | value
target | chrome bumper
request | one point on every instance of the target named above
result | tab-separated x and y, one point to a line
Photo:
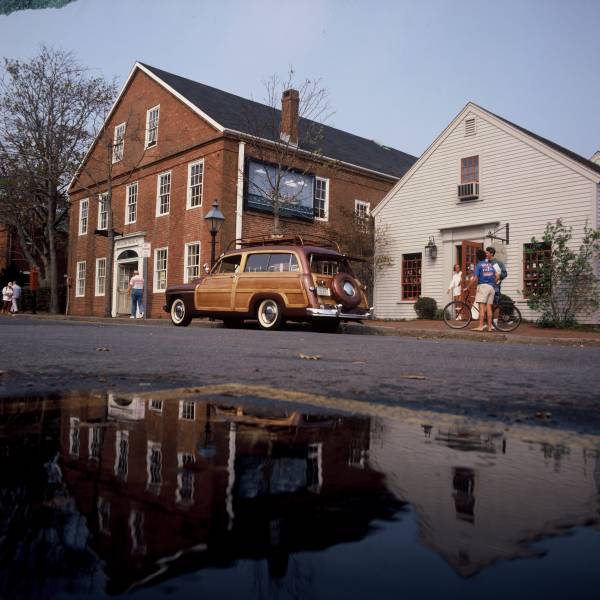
338	313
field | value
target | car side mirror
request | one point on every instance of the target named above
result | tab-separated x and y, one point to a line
206	268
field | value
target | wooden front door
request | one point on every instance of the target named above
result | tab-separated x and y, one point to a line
125	273
468	262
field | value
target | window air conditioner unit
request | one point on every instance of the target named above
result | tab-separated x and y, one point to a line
468	191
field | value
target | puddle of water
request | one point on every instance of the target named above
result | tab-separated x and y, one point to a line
106	496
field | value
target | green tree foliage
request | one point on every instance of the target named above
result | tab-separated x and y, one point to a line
567	284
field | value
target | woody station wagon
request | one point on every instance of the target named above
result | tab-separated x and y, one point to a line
273	279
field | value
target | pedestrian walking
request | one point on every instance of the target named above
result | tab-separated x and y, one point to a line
136	289
16	297
7	294
455	287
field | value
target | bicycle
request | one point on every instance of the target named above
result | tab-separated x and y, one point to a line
459	314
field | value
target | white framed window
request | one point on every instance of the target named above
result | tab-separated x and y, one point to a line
74	436
362	209
100	276
156	405
184	494
152	115
131	203
154	467
118	143
84	208
163	194
195	181
122	455
160	269
321	198
94	442
104	515
103	211
191	262
187	410
80	279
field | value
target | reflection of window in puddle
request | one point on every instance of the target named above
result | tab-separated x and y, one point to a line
74	436
357	457
104	516
463	483
136	530
154	467
94	442
156	405
187	410
185	478
122	455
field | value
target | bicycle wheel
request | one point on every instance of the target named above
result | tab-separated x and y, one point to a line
457	314
508	317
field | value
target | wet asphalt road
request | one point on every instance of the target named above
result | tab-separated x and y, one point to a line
506	381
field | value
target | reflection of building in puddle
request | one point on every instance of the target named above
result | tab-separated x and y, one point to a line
206	485
480	497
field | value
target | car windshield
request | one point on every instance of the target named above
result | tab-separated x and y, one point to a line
327	264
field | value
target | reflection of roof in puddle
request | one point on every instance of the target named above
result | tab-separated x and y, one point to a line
468	441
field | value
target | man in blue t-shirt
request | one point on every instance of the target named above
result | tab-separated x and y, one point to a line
487	278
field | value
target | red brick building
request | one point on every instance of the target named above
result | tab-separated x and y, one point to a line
170	147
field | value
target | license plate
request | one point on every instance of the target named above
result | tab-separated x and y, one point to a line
323	291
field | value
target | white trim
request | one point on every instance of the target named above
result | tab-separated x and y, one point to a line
117	127
147	131
187	403
87	215
186	262
137	192
239	206
472	108
129	241
188	203
77	278
96	286
169	173
155	289
326	180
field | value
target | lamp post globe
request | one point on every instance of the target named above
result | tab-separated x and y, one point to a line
214	218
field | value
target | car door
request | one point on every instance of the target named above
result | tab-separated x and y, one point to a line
215	292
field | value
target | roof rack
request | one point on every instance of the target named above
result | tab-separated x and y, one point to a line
280	239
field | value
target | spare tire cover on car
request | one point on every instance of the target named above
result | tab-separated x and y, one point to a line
345	290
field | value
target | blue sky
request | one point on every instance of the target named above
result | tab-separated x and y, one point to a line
397	72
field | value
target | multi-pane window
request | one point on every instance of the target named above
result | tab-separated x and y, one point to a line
321	199
195	178
152	126
160	269
469	169
131	208
187	410
103	211
136	530
94	442
185	478
156	405
80	281
362	209
536	258
163	194
192	262
100	276
118	143
122	455
154	467
411	276
104	515
84	206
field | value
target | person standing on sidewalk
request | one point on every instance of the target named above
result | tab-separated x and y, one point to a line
16	297
7	294
136	289
487	277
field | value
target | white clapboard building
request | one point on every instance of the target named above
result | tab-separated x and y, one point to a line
483	181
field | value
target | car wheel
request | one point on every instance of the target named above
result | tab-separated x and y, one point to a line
269	314
179	313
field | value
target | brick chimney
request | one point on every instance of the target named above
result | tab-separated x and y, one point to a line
290	102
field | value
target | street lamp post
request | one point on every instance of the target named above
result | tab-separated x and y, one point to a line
214	218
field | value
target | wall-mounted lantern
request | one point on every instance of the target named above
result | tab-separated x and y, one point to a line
431	248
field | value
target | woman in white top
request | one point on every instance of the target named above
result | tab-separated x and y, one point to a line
455	287
7	294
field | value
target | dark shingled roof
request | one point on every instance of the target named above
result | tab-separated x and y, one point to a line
254	118
568	153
